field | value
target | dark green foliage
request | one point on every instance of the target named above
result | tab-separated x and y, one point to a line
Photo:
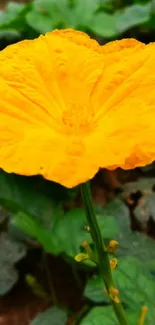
53	316
11	252
106	19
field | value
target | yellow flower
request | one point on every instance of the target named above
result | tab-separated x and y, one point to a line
69	106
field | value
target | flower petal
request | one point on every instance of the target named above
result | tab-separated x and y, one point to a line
69	106
124	97
123	47
45	85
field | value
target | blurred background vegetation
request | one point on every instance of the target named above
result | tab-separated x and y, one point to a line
104	20
42	225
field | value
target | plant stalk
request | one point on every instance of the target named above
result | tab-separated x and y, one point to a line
102	254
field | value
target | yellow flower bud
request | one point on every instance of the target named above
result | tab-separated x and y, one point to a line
112	246
115	291
87	248
81	257
113	263
114	295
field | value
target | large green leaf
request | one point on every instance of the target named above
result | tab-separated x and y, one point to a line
135	283
59	12
32	227
10	253
83	11
8	277
132	16
33	206
41	22
137	245
100	315
106	316
48	6
13	16
9	33
10	250
104	24
131	243
69	233
19	193
64	13
53	316
64	234
120	211
94	290
11	12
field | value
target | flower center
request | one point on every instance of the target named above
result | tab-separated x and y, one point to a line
77	119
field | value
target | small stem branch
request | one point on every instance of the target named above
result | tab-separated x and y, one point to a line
143	315
103	258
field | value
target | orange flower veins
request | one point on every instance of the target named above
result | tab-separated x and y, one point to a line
69	106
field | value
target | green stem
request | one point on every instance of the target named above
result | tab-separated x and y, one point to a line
103	258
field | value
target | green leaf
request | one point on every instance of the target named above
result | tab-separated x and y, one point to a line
16	232
104	24
69	233
12	15
10	250
59	11
12	10
24	194
130	243
40	22
83	11
137	286
53	316
137	245
48	6
10	34
100	315
132	16
135	283
120	212
94	290
108	223
35	229
10	253
8	277
33	206
106	316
